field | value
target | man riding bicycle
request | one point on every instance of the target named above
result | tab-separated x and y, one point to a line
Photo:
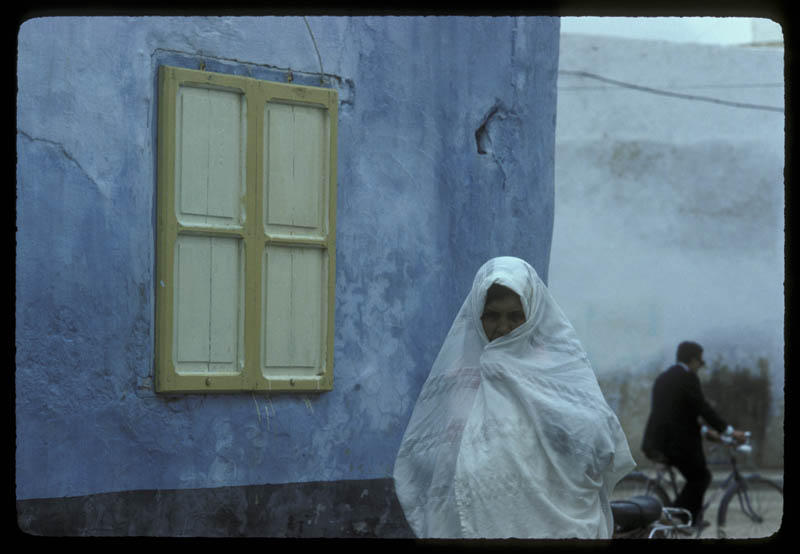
673	433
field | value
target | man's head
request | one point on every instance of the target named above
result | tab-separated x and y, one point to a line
691	354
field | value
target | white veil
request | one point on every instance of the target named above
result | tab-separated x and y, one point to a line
511	438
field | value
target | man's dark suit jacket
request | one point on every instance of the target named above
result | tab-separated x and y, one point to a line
672	428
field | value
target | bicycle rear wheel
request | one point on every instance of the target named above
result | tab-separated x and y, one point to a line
637	483
754	510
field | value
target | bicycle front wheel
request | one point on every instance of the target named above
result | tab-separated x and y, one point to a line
752	509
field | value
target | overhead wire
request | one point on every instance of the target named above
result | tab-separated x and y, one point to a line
623	84
322	71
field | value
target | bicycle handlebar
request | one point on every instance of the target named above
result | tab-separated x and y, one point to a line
744	447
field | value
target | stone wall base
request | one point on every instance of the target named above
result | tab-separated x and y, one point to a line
343	509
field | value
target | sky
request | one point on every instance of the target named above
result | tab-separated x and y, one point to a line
704	30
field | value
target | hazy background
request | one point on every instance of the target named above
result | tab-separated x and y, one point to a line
669	201
687	30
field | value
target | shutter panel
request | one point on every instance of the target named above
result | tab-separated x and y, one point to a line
295	280
295	154
209	187
210	161
208	305
294	311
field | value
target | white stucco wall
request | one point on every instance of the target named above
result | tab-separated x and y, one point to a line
669	210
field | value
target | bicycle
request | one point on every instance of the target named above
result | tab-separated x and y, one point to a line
760	500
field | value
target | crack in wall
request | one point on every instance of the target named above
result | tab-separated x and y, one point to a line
60	147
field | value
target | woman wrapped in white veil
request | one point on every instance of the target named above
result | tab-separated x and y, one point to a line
511	435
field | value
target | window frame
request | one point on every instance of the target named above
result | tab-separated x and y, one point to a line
253	233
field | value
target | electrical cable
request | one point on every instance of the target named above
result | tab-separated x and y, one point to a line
322	72
651	90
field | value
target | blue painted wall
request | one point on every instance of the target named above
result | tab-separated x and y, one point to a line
419	210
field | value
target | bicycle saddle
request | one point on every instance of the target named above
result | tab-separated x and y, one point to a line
635	512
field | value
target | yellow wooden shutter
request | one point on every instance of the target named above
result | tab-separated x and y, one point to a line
246	234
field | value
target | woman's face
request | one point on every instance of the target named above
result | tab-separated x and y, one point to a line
502	315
